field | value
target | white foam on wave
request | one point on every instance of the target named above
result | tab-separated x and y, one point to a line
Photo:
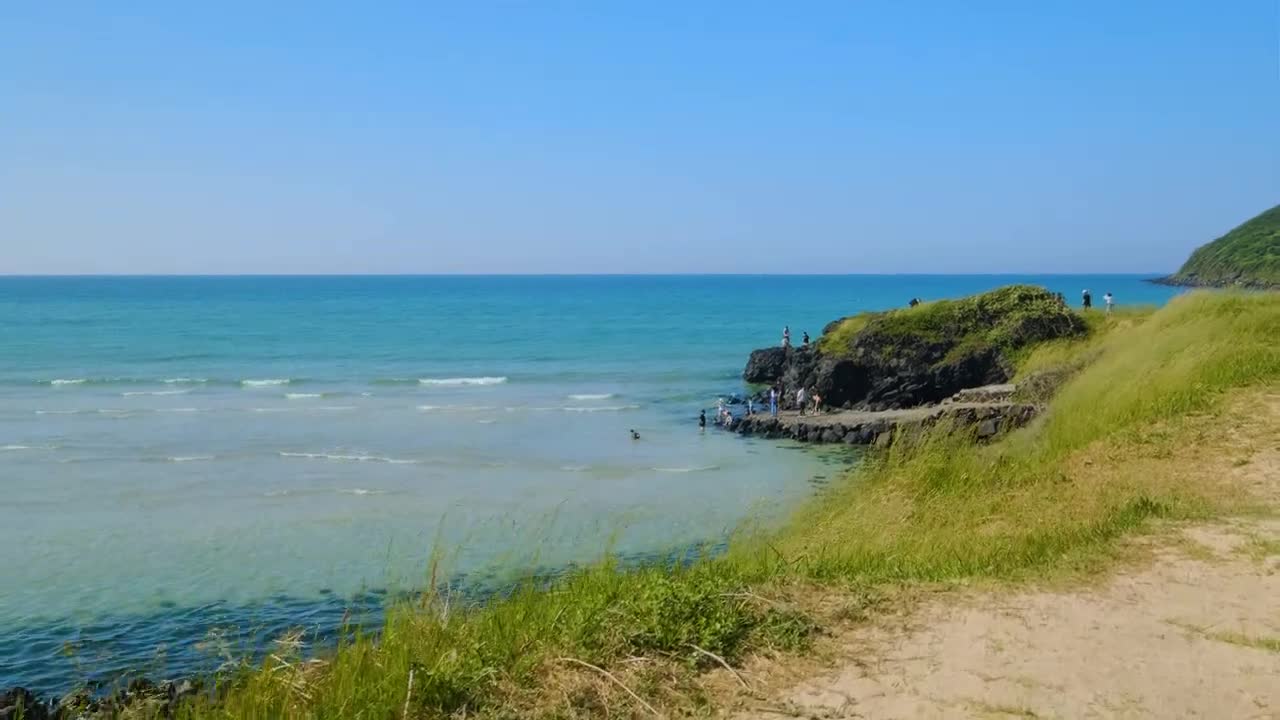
20	448
302	396
74	381
190	458
336	408
184	381
96	411
455	408
268	382
704	468
271	410
462	381
347	458
591	396
136	393
589	409
486	422
575	468
361	491
178	410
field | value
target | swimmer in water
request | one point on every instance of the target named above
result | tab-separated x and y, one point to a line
635	435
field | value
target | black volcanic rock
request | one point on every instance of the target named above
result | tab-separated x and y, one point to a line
921	355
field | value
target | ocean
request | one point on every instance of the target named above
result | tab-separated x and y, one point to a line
190	466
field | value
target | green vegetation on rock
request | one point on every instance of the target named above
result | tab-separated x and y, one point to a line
1248	256
1007	319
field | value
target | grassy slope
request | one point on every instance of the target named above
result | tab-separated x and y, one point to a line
1249	255
1108	455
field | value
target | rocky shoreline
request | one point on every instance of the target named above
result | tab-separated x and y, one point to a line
1240	283
879	427
141	698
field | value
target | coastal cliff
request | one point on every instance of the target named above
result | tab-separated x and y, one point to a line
918	356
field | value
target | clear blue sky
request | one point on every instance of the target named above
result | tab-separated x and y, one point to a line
434	137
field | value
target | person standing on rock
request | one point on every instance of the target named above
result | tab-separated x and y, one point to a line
773	401
817	402
786	336
800	398
806	340
1087	299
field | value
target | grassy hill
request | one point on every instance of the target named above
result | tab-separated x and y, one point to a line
1248	255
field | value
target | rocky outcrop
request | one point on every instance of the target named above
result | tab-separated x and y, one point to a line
918	356
986	420
766	365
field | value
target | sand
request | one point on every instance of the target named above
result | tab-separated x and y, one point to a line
1194	633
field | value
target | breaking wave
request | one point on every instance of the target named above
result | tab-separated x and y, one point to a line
462	381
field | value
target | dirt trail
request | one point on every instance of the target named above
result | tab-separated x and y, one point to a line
1193	634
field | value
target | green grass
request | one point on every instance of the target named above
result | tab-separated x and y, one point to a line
1073	353
1270	644
1117	447
1249	254
1007	319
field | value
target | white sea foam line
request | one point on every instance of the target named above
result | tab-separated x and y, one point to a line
272	410
462	381
135	393
178	410
704	468
361	491
455	408
184	381
19	448
265	383
75	381
591	396
190	458
336	408
60	412
575	468
347	458
302	396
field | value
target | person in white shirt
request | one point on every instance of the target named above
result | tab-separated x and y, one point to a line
1109	300
800	400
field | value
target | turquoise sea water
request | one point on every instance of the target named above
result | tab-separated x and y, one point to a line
188	461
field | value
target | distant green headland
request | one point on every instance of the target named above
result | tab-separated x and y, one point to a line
1248	256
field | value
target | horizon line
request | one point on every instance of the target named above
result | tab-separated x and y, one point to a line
1007	273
